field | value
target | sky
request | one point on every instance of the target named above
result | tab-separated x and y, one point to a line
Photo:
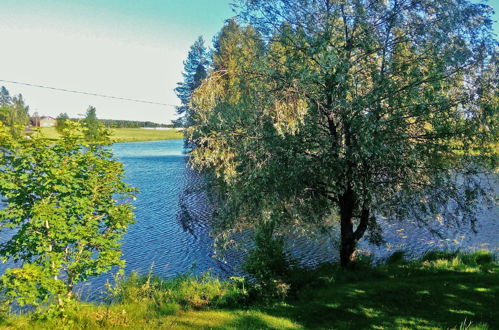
126	48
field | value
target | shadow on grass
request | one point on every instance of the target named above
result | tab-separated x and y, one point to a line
256	322
235	319
449	291
397	296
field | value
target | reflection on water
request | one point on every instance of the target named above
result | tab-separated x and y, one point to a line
171	233
416	240
173	216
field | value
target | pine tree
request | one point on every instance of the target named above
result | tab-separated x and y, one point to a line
5	99
195	71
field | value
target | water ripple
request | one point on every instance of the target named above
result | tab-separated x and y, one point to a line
173	214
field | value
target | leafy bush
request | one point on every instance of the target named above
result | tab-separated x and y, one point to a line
397	257
268	265
68	208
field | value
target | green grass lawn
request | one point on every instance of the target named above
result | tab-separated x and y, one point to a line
441	291
129	134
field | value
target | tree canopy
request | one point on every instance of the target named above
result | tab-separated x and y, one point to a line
349	110
94	130
66	211
62	122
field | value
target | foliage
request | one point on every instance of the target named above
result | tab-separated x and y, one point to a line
62	120
93	129
14	113
479	261
406	295
267	264
186	292
195	71
66	212
5	99
396	257
349	110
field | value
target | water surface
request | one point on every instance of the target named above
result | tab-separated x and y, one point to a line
171	232
173	218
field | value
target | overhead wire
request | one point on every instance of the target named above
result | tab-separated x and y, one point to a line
86	93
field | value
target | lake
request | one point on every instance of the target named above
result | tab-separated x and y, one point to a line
172	211
171	232
173	220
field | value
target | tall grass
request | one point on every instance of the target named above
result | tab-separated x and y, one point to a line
478	261
183	292
442	290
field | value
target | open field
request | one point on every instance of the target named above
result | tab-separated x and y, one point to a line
441	291
138	134
129	134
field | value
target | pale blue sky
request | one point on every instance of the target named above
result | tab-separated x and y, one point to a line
127	48
132	49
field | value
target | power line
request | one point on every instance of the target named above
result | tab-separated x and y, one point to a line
87	93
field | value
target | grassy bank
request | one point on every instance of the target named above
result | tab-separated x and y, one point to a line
129	134
440	291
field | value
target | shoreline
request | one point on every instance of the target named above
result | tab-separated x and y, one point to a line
125	135
400	293
152	140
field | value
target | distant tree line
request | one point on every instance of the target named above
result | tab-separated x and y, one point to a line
112	123
116	123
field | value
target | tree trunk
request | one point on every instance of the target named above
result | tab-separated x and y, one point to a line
347	251
349	237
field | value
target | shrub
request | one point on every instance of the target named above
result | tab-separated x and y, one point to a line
66	211
396	258
268	265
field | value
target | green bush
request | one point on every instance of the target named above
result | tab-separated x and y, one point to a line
397	257
268	265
